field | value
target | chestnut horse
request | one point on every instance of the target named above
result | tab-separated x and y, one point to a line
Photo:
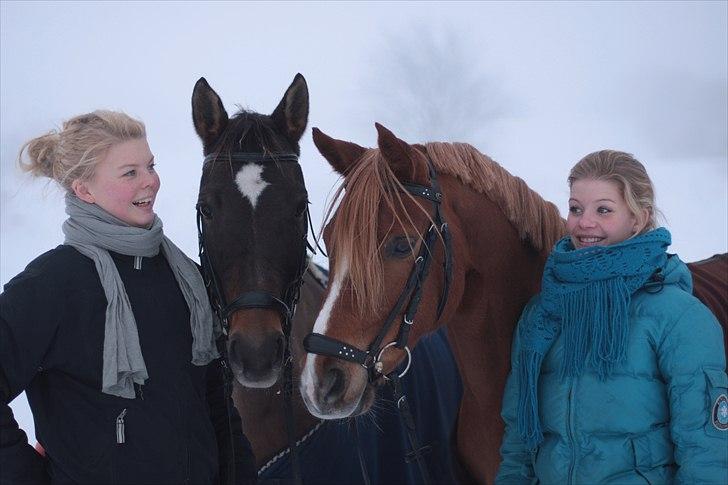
252	214
498	233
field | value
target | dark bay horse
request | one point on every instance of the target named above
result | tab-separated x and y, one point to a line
498	234
253	208
241	250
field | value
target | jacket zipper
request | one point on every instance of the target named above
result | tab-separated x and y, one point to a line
137	262
569	430
120	435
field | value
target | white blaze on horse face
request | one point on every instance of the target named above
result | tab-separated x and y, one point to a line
308	377
250	182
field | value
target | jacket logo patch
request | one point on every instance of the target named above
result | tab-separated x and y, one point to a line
720	413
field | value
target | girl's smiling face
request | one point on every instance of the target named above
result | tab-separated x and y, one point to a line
599	215
124	183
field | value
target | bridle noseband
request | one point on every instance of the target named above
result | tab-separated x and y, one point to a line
371	359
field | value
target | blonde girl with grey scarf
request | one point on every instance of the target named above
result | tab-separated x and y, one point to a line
111	334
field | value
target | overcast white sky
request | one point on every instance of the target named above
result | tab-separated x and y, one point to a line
536	85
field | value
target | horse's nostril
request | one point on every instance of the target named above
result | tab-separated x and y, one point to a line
334	385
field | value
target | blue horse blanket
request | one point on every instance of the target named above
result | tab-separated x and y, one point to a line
433	389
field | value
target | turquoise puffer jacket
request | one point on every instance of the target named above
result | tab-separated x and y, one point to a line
657	419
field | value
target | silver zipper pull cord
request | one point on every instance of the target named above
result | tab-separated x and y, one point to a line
137	262
120	438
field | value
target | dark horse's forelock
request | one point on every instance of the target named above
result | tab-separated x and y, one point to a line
371	182
248	131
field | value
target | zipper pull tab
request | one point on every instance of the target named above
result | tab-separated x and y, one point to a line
120	438
137	262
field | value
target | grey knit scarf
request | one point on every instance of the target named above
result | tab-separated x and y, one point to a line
94	232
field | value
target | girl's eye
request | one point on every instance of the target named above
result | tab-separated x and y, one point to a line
604	210
151	167
575	210
130	173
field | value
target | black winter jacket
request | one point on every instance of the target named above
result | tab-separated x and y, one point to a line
176	430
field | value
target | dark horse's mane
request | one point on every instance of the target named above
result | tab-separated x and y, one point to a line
371	181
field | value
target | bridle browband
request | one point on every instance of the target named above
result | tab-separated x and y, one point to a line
411	295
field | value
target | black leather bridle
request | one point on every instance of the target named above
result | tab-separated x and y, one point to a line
371	359
411	295
284	304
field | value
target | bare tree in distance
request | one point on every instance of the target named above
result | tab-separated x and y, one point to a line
429	85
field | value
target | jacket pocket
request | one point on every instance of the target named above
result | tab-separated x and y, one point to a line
717	402
653	455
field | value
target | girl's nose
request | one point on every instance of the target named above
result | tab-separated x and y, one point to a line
150	179
586	221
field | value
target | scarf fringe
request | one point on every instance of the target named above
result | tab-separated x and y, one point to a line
595	327
529	364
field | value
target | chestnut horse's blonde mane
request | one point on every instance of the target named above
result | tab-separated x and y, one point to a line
371	182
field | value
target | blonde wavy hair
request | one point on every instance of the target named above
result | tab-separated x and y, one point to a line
73	152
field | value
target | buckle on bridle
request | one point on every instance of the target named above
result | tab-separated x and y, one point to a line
379	365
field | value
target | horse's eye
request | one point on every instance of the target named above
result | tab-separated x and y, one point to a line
205	210
400	247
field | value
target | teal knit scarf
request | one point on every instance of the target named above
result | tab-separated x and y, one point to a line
585	295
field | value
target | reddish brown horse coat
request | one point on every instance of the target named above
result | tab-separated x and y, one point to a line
710	285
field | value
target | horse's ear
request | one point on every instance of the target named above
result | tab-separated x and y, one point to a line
208	113
342	155
291	115
406	162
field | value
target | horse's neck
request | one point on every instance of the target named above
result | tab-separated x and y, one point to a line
263	416
496	274
501	274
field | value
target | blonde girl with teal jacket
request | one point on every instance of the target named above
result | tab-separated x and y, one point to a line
618	372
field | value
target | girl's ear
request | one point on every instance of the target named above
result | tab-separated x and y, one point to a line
641	221
80	188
